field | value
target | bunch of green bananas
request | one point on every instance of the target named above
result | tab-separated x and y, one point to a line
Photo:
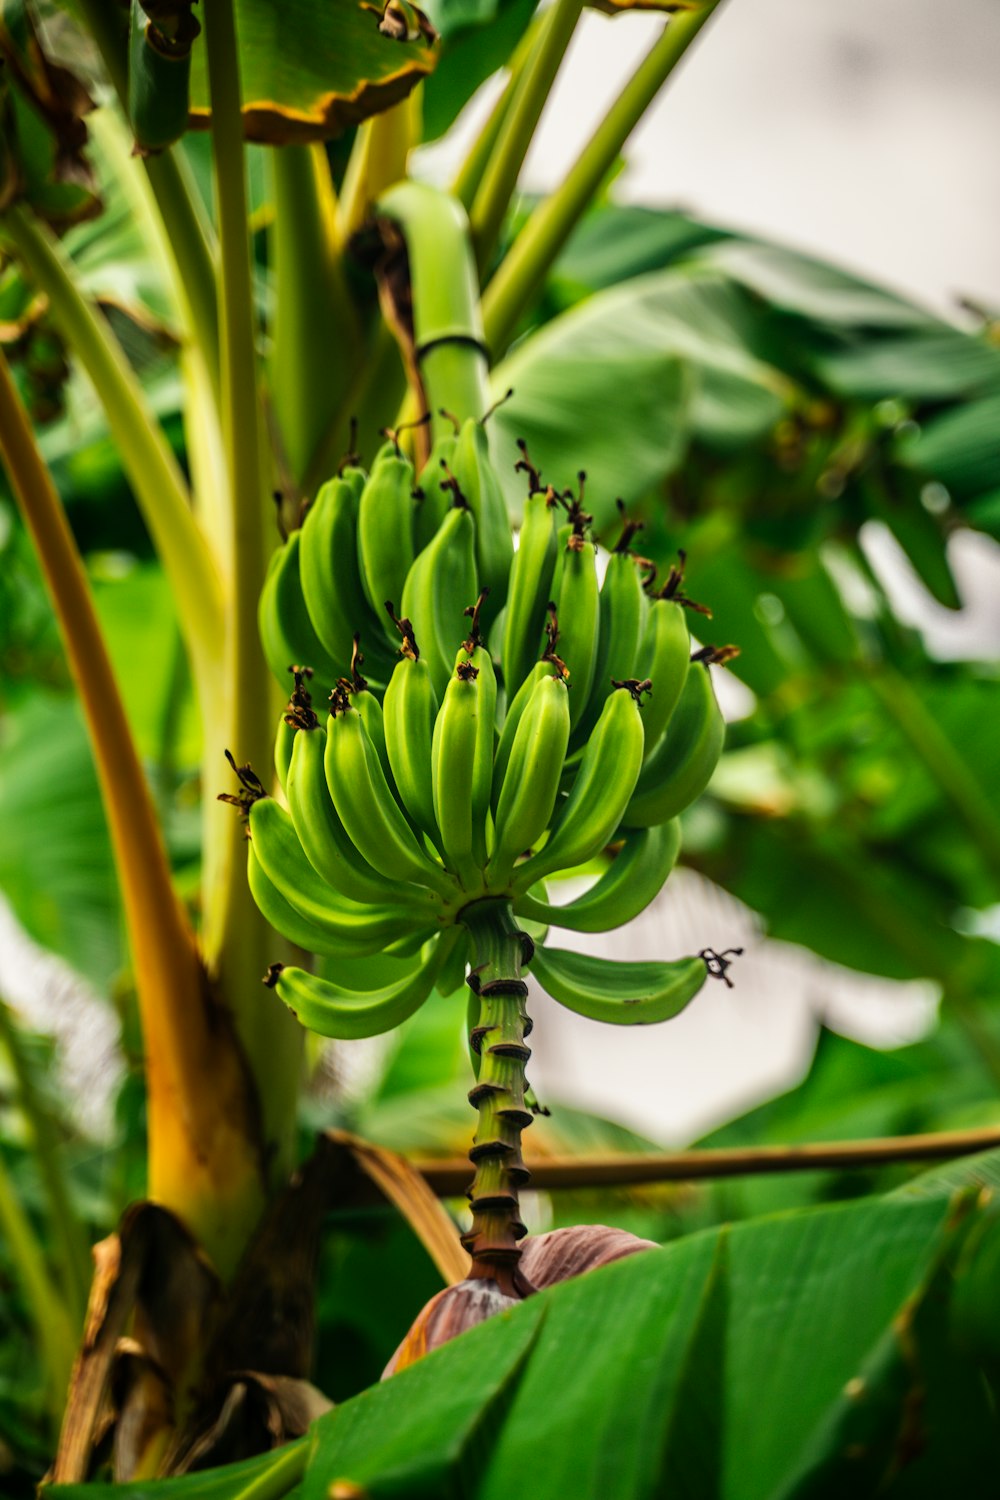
526	718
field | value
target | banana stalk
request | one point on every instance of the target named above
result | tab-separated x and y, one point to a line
499	951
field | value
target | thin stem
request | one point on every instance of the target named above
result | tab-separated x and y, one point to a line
65	1227
238	944
947	766
153	471
203	1154
470	173
56	1333
448	1178
518	127
187	234
498	951
527	263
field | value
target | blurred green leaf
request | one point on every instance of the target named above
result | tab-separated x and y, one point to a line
55	856
619	385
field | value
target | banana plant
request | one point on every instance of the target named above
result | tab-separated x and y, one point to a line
498	718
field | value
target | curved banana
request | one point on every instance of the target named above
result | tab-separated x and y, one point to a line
522	698
529	592
284	744
337	937
409	710
462	765
327	563
452	973
374	821
682	764
608	772
477	479
431	494
633	879
531	782
332	1010
286	630
663	660
385	527
578	618
626	994
323	837
438	587
622	618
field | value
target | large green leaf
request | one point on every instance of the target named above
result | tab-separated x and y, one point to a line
309	71
55	856
774	1359
809	288
618	386
959	447
425	1433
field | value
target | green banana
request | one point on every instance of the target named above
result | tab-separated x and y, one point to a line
681	767
438	586
632	880
452	974
478	482
385	527
355	476
332	1010
409	710
529	591
578	620
366	930
286	630
522	698
531	783
626	994
607	776
322	835
663	660
462	765
327	538
431	493
298	714
623	611
374	821
331	580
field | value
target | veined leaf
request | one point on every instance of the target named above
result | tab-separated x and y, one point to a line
423	1431
619	385
309	71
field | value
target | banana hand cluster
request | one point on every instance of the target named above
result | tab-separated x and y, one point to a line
517	718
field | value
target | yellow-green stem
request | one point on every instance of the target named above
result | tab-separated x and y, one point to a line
238	945
316	334
524	268
187	232
518	127
146	455
204	1158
